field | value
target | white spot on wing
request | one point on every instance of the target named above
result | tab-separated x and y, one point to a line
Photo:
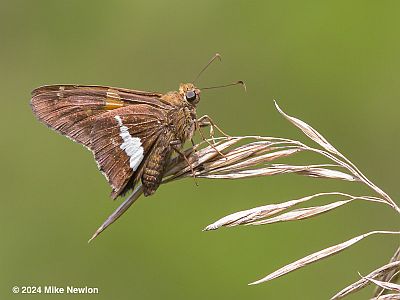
131	145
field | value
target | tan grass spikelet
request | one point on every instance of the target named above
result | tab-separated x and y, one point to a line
363	282
390	276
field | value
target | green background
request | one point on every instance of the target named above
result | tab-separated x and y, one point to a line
334	64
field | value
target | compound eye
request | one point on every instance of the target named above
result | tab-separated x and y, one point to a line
190	96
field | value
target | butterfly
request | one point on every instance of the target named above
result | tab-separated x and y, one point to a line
131	133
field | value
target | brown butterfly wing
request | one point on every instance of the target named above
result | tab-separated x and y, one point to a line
87	114
122	140
72	109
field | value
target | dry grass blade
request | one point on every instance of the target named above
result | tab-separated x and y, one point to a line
244	161
178	167
226	166
389	276
237	160
277	169
308	131
326	173
246	216
318	256
119	211
387	297
364	282
301	213
261	212
385	285
251	149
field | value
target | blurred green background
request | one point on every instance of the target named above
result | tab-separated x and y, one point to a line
334	64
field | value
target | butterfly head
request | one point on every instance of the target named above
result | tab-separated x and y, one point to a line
190	93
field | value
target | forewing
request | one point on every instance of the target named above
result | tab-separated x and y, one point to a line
73	109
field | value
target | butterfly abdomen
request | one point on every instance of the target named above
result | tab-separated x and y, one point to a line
154	169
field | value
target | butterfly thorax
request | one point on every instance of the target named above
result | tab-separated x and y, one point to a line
182	118
179	126
182	122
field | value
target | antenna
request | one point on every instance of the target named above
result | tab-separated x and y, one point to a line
226	85
217	55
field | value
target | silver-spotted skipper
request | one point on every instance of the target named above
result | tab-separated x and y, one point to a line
131	133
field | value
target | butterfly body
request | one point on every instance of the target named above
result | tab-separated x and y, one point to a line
131	133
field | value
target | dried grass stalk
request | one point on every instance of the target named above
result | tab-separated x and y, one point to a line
335	155
390	276
251	216
119	211
309	131
385	285
302	213
317	256
311	171
363	282
387	297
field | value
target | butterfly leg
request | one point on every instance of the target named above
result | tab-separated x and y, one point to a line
176	146
207	121
201	123
208	142
193	146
